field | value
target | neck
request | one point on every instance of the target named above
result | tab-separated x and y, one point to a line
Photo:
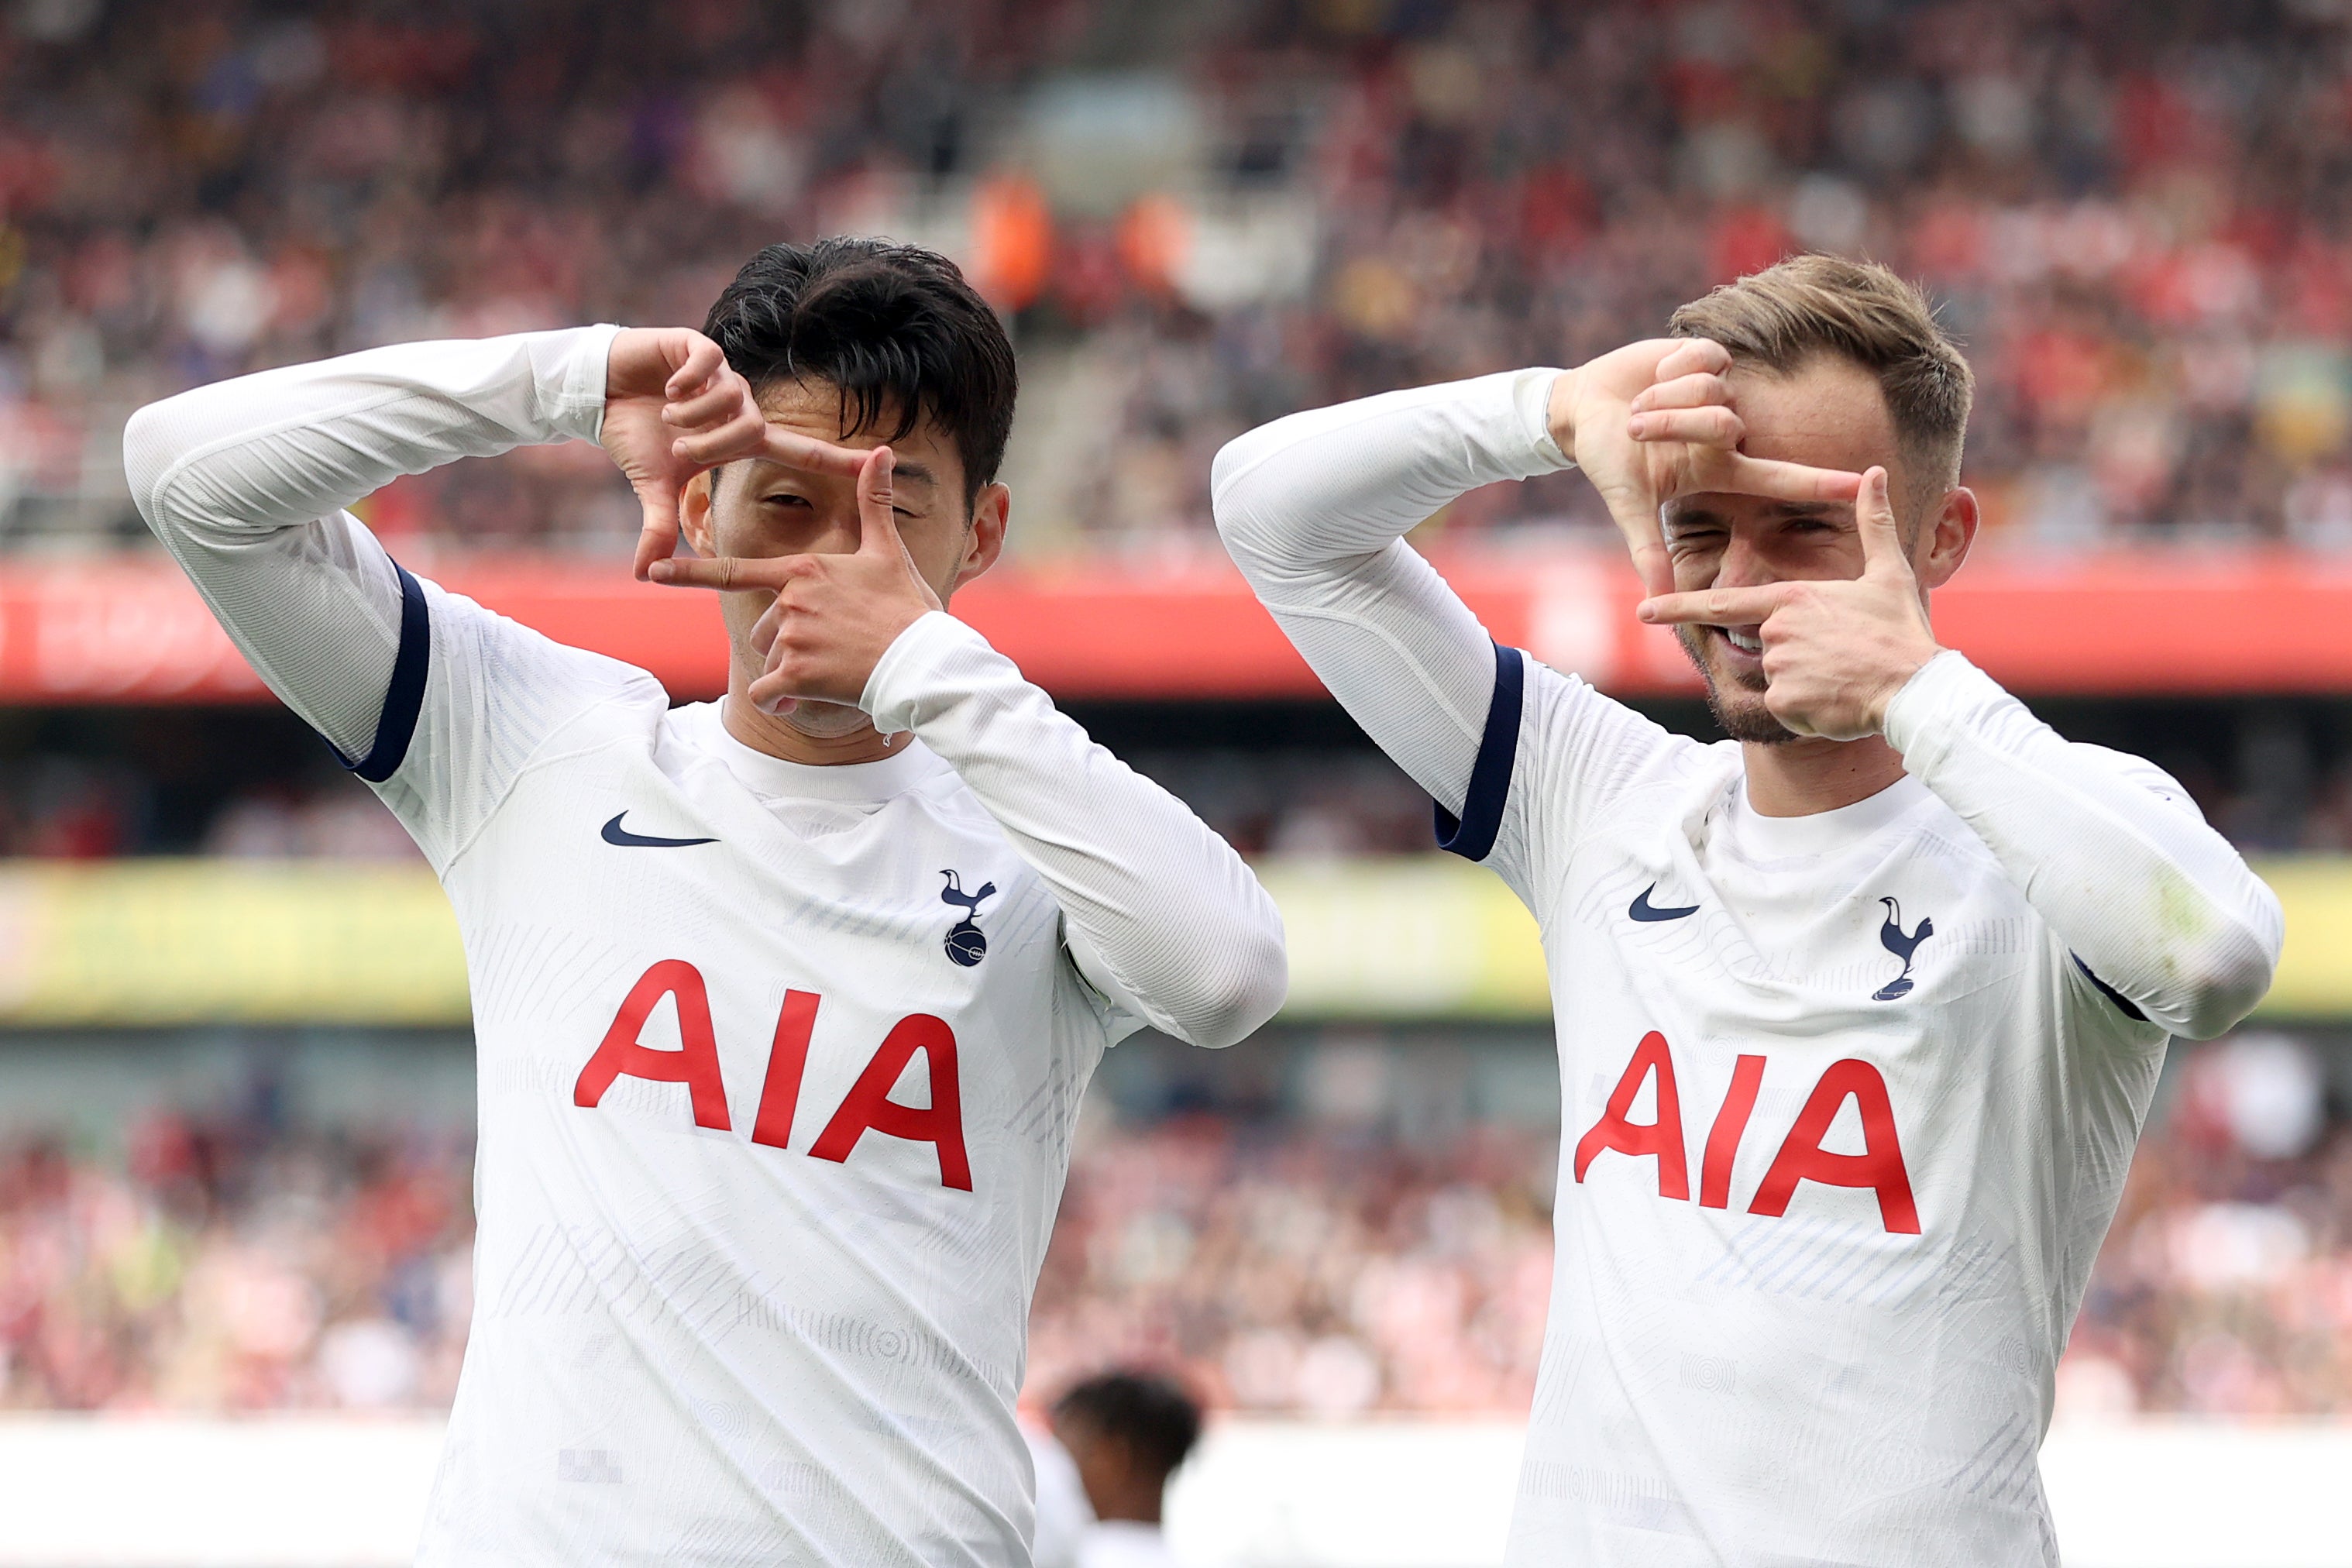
766	732
1801	777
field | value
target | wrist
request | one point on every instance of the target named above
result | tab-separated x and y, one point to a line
1900	710
1560	410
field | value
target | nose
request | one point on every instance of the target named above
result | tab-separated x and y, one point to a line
1742	565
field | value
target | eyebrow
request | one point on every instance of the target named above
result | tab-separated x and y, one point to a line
904	471
1782	511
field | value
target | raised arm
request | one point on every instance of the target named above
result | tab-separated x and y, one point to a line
1314	509
1159	912
2158	907
245	482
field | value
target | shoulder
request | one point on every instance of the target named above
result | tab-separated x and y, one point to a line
507	651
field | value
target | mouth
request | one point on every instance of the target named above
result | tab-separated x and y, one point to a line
1749	640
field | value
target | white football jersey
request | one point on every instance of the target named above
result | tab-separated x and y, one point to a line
1846	1099
778	1069
778	1063
1842	1124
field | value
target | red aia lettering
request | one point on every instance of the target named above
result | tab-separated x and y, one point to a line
1723	1138
779	1096
696	1061
1662	1138
1880	1165
869	1107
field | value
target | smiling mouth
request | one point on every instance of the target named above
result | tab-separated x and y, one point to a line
1747	640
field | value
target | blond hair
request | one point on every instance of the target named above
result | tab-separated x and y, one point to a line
1781	317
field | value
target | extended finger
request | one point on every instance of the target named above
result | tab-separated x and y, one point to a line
1716	606
730	573
1874	510
1714	425
810	455
878	523
1693	390
1785	481
1698	356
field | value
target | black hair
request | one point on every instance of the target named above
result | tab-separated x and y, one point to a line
894	327
1153	1415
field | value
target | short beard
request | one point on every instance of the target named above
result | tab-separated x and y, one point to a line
1750	724
824	720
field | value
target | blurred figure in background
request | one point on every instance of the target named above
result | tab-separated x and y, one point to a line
1129	1432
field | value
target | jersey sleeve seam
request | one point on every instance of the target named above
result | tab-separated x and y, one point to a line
538	758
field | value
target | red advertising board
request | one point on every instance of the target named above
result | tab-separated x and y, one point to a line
129	628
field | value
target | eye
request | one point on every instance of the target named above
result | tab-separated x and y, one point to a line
783	497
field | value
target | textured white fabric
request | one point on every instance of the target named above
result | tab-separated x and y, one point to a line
1844	1118
1063	1514
1130	865
778	1064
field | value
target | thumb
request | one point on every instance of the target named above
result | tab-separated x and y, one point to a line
1635	512
657	538
1881	538
878	523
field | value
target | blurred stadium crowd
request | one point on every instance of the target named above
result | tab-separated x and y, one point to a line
225	1264
2286	789
1201	216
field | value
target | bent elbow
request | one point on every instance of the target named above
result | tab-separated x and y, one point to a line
1240	990
147	454
2228	975
1225	498
2227	987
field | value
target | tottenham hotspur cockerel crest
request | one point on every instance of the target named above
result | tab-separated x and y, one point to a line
967	943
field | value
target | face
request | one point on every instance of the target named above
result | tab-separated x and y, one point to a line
754	508
1831	414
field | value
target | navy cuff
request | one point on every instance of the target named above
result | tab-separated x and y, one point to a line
1472	834
404	698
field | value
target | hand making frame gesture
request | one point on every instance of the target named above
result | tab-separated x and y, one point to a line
834	615
1654	420
1837	650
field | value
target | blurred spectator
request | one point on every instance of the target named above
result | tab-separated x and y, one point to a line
223	1267
1204	216
1283	1266
1127	1432
1268	802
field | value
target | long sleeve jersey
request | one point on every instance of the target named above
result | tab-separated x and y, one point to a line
1847	1100
778	1063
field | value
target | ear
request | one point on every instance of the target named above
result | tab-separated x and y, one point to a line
983	540
1944	543
694	512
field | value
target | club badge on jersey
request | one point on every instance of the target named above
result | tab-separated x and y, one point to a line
967	944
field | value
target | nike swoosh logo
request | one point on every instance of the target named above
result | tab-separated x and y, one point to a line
616	834
1642	909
